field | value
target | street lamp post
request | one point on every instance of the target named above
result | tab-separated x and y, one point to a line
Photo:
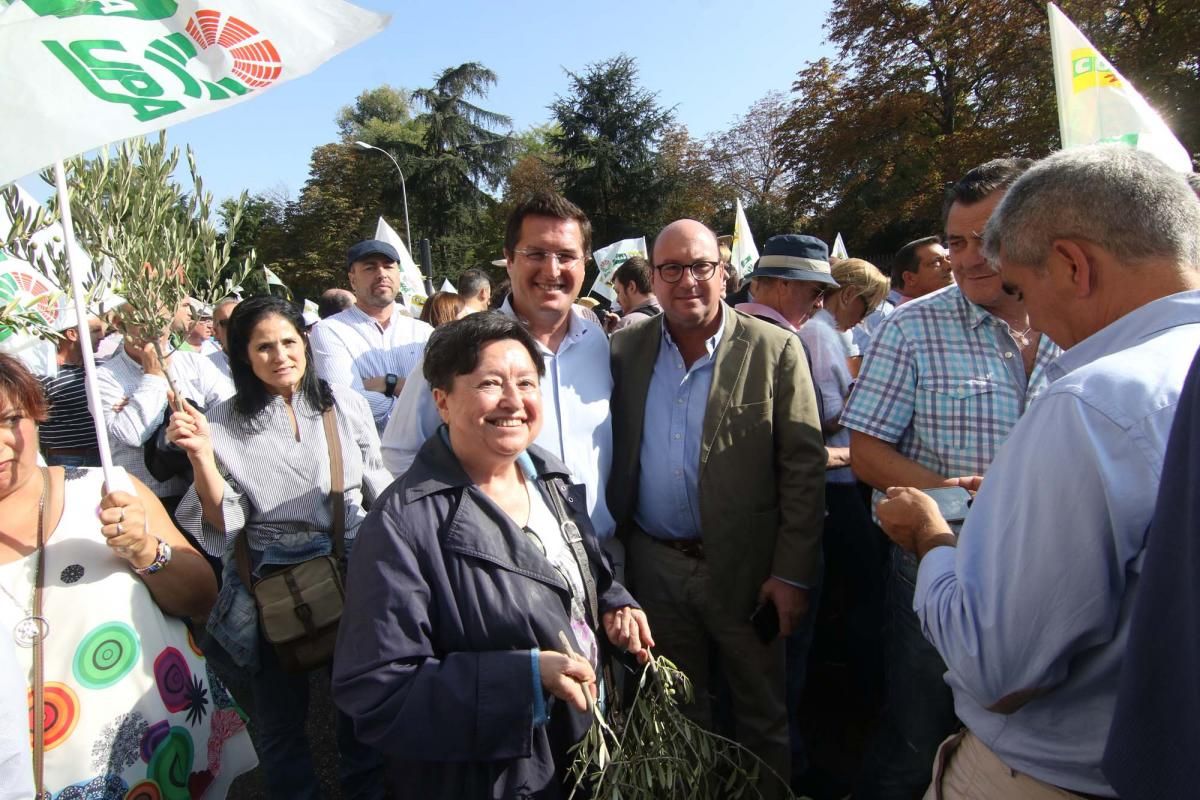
403	189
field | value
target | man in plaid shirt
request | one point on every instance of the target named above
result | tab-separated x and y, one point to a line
945	380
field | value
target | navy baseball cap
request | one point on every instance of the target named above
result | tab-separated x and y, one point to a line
370	247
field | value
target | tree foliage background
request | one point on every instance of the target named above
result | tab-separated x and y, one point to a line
918	92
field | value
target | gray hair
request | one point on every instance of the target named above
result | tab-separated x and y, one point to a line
1127	202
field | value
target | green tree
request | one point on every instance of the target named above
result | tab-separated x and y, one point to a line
922	91
609	132
461	157
535	164
381	116
687	184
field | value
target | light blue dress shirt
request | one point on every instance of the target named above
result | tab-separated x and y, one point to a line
668	501
576	420
1037	595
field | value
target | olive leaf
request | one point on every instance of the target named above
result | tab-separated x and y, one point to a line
149	240
651	750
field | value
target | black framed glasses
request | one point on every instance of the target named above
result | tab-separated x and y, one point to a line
701	270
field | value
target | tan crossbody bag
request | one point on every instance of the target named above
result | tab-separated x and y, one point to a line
299	606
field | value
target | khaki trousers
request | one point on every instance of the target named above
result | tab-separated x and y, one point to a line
966	769
686	619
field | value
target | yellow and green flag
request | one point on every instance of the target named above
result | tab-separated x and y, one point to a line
1097	105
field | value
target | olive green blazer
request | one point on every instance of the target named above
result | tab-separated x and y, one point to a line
762	459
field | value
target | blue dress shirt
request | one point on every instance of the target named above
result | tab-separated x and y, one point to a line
668	503
1035	600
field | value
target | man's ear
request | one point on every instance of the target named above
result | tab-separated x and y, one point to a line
1073	264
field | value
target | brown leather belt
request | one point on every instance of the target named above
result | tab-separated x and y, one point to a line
692	548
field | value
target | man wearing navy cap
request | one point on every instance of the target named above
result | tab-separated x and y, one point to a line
372	345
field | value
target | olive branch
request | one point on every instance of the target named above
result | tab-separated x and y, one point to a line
652	750
149	240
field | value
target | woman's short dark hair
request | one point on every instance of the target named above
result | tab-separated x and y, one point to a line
19	386
453	349
252	396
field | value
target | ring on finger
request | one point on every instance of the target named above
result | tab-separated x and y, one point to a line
120	529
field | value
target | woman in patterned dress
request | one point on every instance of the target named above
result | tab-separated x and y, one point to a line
130	708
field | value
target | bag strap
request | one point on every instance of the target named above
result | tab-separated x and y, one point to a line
574	539
337	501
337	482
39	664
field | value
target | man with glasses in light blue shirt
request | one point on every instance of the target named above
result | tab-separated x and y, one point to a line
547	240
1030	604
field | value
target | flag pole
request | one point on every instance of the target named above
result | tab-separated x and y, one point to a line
85	336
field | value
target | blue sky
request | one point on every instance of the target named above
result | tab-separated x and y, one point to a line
709	59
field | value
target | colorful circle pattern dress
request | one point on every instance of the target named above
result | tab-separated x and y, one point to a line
132	711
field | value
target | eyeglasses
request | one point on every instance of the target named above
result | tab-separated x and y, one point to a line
701	270
540	257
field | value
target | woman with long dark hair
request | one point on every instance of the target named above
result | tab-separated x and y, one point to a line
263	493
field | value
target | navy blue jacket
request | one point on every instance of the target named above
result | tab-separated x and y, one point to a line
445	598
1154	743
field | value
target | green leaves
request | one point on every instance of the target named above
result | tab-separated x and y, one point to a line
150	241
654	751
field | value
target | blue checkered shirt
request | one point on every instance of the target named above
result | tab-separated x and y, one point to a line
944	382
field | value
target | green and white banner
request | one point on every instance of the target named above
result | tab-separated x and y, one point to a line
79	74
609	258
412	281
745	253
1096	104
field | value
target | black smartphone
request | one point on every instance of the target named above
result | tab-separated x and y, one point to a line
765	621
953	502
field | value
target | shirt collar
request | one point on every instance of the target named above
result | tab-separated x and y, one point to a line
363	316
974	315
760	310
710	344
1182	308
436	468
575	325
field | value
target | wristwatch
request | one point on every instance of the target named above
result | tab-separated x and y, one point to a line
161	558
389	384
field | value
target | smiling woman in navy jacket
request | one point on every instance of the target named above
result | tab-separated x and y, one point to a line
466	576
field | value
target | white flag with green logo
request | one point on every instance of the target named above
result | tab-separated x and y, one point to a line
272	278
609	258
412	281
27	293
839	248
78	74
745	254
1096	104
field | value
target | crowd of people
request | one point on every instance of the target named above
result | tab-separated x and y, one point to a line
980	462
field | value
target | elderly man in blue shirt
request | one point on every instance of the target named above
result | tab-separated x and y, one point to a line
1030	605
